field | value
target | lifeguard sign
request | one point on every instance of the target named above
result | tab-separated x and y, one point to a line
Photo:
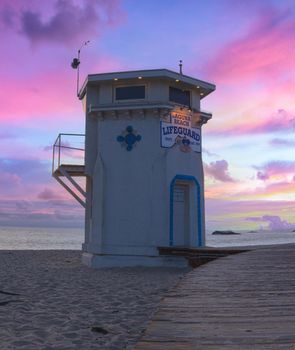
143	166
183	129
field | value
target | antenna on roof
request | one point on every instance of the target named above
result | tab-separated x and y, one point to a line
76	63
180	67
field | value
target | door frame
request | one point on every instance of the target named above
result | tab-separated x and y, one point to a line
186	179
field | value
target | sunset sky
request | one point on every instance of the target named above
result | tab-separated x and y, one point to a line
246	48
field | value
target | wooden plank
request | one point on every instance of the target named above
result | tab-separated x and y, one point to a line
244	301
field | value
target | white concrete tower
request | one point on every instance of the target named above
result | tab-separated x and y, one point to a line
143	166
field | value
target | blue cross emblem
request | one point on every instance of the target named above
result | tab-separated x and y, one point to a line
129	139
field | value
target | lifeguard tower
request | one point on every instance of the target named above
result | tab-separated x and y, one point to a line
143	166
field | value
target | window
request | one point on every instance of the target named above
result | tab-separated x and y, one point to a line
135	92
180	96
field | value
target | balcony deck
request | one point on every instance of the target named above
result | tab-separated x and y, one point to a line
71	169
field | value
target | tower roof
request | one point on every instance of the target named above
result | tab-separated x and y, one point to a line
95	79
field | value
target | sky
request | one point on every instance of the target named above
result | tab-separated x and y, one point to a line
246	48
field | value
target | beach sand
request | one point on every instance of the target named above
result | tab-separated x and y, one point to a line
49	300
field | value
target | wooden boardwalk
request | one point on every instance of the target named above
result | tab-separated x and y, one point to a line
239	302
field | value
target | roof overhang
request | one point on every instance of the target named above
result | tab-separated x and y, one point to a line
95	79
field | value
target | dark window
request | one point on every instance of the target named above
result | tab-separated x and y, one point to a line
130	92
179	96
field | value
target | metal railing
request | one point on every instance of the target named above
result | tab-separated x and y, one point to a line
68	149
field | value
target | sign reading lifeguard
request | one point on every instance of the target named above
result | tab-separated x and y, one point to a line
179	131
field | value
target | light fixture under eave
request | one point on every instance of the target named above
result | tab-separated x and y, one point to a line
202	93
198	87
139	77
177	80
115	79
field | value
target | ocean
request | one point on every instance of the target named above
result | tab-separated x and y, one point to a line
250	238
40	238
37	238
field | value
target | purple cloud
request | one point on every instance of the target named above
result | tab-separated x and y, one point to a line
275	168
19	177
282	142
209	153
275	223
7	16
254	218
64	25
28	169
48	194
262	176
218	170
40	213
8	180
7	135
61	21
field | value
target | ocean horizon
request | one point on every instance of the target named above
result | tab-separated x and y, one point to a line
41	238
61	238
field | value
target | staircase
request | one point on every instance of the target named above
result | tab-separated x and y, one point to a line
68	164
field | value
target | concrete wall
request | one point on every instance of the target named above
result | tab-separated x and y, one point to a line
128	203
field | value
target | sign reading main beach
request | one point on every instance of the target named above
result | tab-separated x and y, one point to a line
179	131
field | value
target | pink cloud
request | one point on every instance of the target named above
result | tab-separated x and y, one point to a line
279	121
224	207
275	188
218	170
262	53
44	94
49	94
268	190
8	180
39	81
24	178
41	213
219	190
48	194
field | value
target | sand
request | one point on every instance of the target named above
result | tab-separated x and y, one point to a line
49	300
